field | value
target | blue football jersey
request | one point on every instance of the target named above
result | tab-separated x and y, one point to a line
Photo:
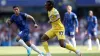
91	23
20	21
70	21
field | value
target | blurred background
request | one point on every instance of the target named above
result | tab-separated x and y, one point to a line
37	10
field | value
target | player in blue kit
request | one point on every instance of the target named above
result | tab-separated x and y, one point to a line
20	19
71	25
92	29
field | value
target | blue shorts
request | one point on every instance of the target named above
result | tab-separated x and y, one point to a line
70	33
92	34
24	34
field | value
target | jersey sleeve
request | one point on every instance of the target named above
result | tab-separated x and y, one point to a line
56	13
24	15
95	19
76	20
95	22
11	19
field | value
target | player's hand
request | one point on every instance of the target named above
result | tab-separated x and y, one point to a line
76	30
8	21
35	25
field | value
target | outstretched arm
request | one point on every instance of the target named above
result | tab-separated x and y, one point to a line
30	17
33	20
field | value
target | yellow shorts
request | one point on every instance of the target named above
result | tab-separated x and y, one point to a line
53	33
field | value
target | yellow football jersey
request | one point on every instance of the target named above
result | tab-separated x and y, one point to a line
57	25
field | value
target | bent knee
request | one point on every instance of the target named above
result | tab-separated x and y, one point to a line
28	43
18	38
62	44
44	38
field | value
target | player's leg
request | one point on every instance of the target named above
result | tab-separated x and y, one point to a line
33	47
96	39
68	38
98	44
89	41
26	39
61	38
44	40
25	36
20	41
68	46
67	34
85	39
72	36
49	34
73	41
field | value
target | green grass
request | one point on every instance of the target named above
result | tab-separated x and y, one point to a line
55	50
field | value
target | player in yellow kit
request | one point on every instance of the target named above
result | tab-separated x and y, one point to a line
56	30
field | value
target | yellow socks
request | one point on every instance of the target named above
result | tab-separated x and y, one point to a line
45	45
70	47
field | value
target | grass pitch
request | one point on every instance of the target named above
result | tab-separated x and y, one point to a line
55	51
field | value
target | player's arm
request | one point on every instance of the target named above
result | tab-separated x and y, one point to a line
9	22
33	20
76	23
57	17
95	25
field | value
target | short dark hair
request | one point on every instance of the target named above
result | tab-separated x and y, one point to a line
14	7
50	3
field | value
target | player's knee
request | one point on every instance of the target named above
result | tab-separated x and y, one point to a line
44	38
18	38
62	44
28	43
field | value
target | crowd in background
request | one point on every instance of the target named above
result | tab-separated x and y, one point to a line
8	34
